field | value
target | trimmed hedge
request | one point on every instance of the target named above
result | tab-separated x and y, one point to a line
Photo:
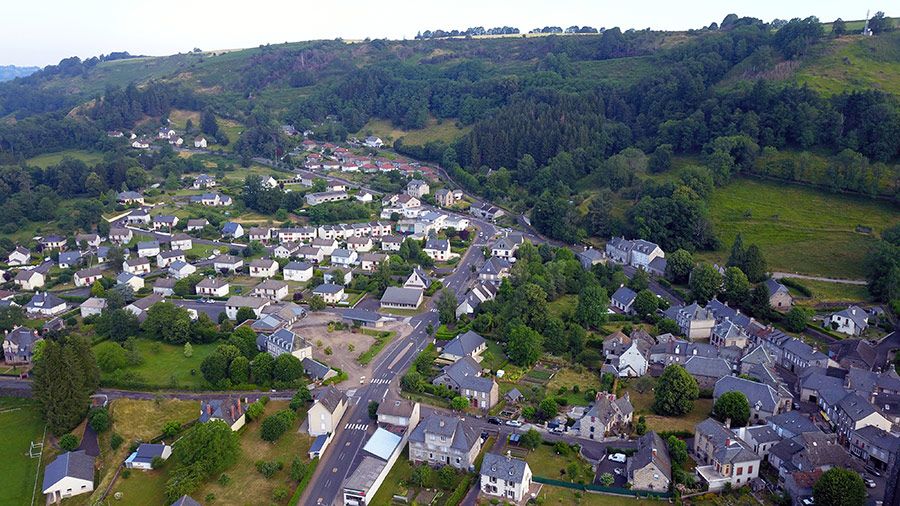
793	283
459	493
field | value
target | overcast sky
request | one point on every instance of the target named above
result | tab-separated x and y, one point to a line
42	32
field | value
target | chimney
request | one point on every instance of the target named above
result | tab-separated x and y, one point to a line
654	452
728	423
727	441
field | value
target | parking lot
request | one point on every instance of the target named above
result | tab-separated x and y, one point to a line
616	469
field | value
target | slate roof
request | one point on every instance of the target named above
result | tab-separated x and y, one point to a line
494	266
803	350
287	340
464	344
855	313
44	300
708	367
465	373
854	349
775	287
330	397
437	244
185	500
503	468
794	422
714	430
297	266
314	368
760	395
146	452
229	410
763	434
398	295
70	464
328	288
646	455
461	435
856	407
624	296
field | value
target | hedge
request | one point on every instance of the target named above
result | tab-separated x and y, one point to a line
793	283
310	469
459	493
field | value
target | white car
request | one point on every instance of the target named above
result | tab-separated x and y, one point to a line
514	423
617	457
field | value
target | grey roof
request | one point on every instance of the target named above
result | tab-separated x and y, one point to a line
146	452
659	264
362	315
832	396
365	474
271	284
69	257
70	464
763	434
165	283
171	254
297	266
229	410
227	259
855	313
263	263
761	396
775	287
793	422
714	430
880	438
314	368
461	435
287	340
803	350
185	500
820	381
651	450
421	275
231	227
398	295
624	296
503	468
44	299
591	254
437	244
342	253
786	449
708	367
330	398
328	288
148	245
494	266
514	394
464	344
465	373
759	355
856	407
212	283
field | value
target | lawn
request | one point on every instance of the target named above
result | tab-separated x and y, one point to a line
791	226
382	338
20	424
546	463
569	378
564	305
247	485
563	496
826	292
165	365
399	475
643	403
147	487
47	159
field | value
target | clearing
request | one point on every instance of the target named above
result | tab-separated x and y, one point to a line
48	159
164	366
643	403
435	130
854	63
799	229
564	496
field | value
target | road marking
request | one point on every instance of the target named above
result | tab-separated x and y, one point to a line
356	426
381	381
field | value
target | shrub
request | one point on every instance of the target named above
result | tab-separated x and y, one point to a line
157	462
68	442
115	441
280	494
171	429
268	468
224	480
298	469
254	411
301	398
99	420
126	474
276	425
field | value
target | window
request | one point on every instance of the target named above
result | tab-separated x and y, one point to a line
750	470
740	471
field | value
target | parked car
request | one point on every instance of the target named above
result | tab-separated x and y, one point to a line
873	472
808	501
494	420
869	482
617	457
514	423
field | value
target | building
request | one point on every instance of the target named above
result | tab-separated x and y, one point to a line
92	307
797	356
136	266
442	440
86	277
330	293
418	279
722	457
18	345
164	286
444	197
851	321
121	235
326	412
695	321
590	257
131	280
213	287
181	242
237	302
263	268
297	271
373	142
130	197
417	188
148	249
20	256
69	259
875	446
622	299
486	211
161	221
196	224
650	467
401	298
370	262
707	371
228	263
464	377
203	181
360	244
854	413
314	199
506	477
143	457
728	334
30	279
468	344
438	250
70	474
608	415
779	296
344	257
43	305
764	400
311	254
167	258
284	341
272	289
627	356
760	438
791	424
229	410
180	269
232	230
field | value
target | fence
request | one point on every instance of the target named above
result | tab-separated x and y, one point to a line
601	489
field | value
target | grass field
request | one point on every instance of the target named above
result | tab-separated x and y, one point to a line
445	130
643	403
798	229
165	365
20	424
564	305
569	378
854	63
553	496
825	292
545	462
47	159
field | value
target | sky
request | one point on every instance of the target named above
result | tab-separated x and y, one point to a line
43	32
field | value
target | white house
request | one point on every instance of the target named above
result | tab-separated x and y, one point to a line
143	457
417	188
330	293
213	287
373	142
298	271
19	256
135	282
136	266
325	414
438	249
181	242
852	321
92	306
271	289
506	477
228	263
31	279
233	230
181	269
236	302
344	257
148	249
86	277
200	142
70	474
263	268
45	304
167	258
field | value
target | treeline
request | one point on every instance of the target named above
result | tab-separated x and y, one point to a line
122	108
470	32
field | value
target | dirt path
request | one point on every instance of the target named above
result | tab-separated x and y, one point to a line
779	275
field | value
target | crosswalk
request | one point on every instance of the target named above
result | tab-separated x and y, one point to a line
356	426
381	381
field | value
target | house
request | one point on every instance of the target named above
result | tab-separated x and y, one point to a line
590	257
418	279
53	242
261	234
506	246
398	412
69	259
695	321
637	253
506	477
608	415
373	142
444	197
494	269
442	440
311	254
228	263
326	412
391	243
21	256
622	299
728	334
360	244
212	200
417	188
344	257
140	144
330	293
140	307
877	447
707	371
779	296
480	292
854	354
657	266
297	271
70	474
799	484
284	341
364	196
88	240
314	199
136	266
167	258
317	370
143	457
164	286
272	289
263	268
200	143
203	181
181	242
92	307
851	321
628	357
18	345
131	280
486	211
236	302
138	217
760	438
30	279
229	410
438	249
401	298
148	249
468	344
120	235
269	182
854	413
196	224
326	245
650	467
797	355
213	287
338	276
764	400
130	197
180	269
286	250
232	230
44	305
464	377
86	277
370	262
164	221
722	457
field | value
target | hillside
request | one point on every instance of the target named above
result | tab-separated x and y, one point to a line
8	72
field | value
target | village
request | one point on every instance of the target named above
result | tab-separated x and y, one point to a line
346	308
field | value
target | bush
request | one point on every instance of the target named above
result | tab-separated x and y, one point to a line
254	411
115	441
268	468
276	425
171	429
157	462
280	494
99	420
301	398
298	469
68	442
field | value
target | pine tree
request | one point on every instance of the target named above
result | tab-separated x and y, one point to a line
59	387
736	258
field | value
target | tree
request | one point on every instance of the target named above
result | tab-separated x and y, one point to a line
412	382
214	368
675	392
288	368
599	221
592	305
677	450
661	158
641	426
796	319
732	406
261	368
759	301
839	27
244	338
373	410
274	426
208	123
679	266
97	289
548	408
99	420
839	487
645	303
421	475
736	258
446	306
298	469
171	429
59	387
117	324
754	265
110	356
523	345
206	450
188	350
531	439
316	303
254	411
243	314
882	268
168	322
239	370
736	287
459	403
879	23
301	398
705	282
606	479
68	442
640	280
